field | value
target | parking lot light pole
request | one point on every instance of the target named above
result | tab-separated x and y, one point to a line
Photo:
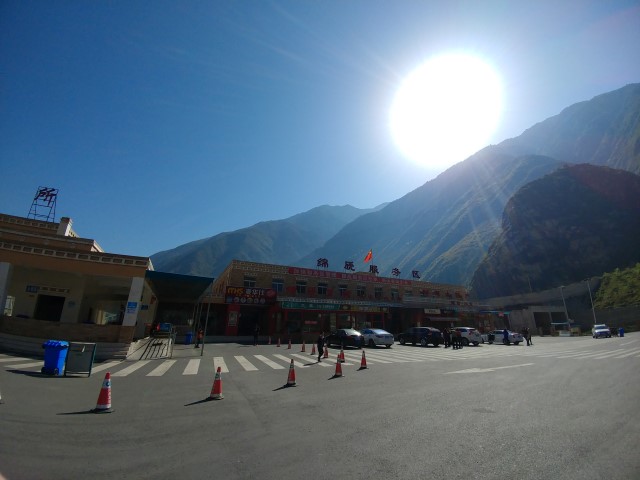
593	310
566	314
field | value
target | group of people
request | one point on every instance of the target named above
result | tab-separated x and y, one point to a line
452	339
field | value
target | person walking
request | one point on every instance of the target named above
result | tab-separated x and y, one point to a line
256	332
447	338
199	338
525	334
505	336
320	346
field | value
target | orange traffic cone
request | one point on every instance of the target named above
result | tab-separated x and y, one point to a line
326	352
278	341
289	347
303	350
313	349
291	379
338	369
104	399
216	390
341	356
363	362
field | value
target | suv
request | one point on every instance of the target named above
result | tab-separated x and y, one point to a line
468	335
421	335
600	330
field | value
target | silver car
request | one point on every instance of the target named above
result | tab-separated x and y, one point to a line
372	337
512	337
601	330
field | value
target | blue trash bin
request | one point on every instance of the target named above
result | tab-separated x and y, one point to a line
55	355
621	332
188	338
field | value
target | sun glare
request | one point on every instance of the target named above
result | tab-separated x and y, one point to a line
446	110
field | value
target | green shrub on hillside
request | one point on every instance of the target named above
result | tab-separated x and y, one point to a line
620	288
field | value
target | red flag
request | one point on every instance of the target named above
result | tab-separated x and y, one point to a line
368	257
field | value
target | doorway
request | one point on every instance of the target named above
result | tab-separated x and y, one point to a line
49	307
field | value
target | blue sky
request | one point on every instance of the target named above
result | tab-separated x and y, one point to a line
165	122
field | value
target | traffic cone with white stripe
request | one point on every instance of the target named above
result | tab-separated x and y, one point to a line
341	356
363	362
338	369
289	346
313	349
303	349
278	341
269	340
216	390
104	398
326	352
291	379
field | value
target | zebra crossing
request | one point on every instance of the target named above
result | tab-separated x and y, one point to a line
282	359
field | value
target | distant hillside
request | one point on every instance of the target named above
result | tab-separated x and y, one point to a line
575	223
276	241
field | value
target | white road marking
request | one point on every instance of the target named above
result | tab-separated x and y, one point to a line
15	359
484	370
131	368
219	362
272	364
26	365
246	364
287	359
310	360
161	369
192	367
105	366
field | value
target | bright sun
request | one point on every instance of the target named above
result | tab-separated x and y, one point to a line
446	110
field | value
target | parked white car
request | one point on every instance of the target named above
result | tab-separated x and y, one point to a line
468	335
372	337
498	337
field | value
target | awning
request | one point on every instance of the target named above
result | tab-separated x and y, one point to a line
175	287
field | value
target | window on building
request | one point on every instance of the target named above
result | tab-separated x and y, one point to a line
277	284
377	292
322	288
394	294
301	286
361	290
8	306
342	289
249	281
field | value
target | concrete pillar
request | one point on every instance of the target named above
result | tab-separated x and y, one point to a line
64	227
5	277
133	303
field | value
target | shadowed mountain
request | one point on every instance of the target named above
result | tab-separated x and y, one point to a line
577	222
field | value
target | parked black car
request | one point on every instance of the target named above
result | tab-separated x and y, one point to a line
344	337
421	335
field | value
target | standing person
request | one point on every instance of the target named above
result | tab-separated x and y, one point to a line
199	337
529	339
320	346
525	334
505	336
256	332
447	337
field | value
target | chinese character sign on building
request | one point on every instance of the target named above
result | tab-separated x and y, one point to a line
250	296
